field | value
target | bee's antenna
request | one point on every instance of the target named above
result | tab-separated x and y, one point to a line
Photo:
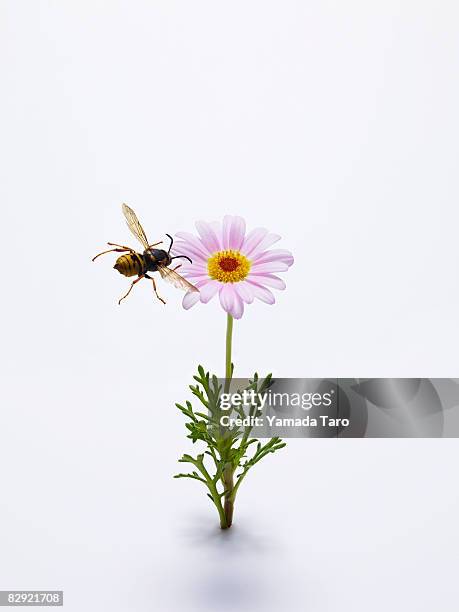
184	257
172	242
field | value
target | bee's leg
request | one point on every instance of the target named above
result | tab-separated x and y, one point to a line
156	244
126	248
177	267
130	288
154	288
123	250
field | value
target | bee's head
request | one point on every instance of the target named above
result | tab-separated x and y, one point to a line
159	256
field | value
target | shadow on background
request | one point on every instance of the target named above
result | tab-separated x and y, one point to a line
241	569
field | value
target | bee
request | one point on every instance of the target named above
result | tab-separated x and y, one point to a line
151	260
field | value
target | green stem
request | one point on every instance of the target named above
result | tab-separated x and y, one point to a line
228	471
229	344
214	494
228	481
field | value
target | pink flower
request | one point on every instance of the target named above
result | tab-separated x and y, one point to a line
238	266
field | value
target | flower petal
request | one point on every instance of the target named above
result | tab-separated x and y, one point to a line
253	239
226	228
237	233
262	293
186	248
271	266
189	239
274	255
244	290
194	268
208	291
217	227
238	307
268	279
227	297
195	277
267	241
208	236
190	299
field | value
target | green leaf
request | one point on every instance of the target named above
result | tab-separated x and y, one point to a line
224	446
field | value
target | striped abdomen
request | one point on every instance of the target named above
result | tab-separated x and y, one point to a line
131	264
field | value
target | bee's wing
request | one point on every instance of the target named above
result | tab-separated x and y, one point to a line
134	225
175	279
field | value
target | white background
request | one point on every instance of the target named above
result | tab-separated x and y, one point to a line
331	123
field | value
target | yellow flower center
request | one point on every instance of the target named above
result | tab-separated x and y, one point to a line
228	266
